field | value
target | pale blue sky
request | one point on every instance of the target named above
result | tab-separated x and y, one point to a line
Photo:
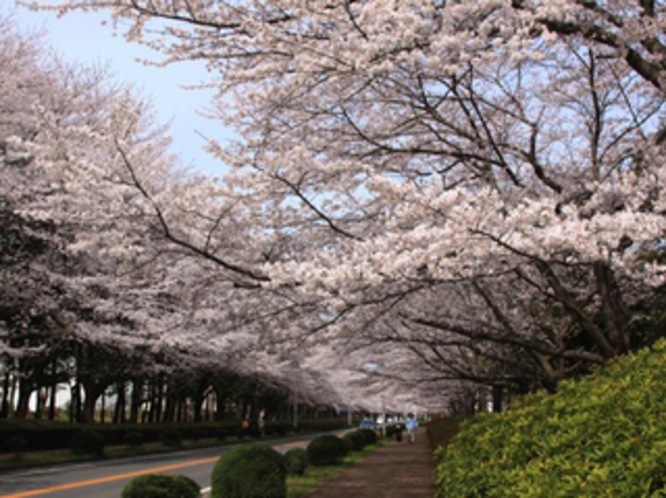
81	37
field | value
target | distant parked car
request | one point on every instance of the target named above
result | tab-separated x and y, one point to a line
367	423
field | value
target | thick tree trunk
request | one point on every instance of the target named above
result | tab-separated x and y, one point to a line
53	389
25	390
102	414
90	401
39	404
498	392
137	394
170	405
4	411
119	411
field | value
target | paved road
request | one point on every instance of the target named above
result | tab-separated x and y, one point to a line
106	479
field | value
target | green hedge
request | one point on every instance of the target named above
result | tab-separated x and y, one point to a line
45	435
604	435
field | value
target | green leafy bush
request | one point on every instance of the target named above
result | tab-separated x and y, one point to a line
326	450
171	438
250	471
296	460
161	486
604	435
133	439
15	445
356	439
370	436
87	442
198	434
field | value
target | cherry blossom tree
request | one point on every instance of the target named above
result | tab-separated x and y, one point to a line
477	185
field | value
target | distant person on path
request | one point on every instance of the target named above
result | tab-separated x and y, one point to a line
399	426
411	424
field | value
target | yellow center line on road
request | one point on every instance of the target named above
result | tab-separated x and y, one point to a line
118	477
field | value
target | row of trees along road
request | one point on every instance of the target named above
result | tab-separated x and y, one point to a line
464	193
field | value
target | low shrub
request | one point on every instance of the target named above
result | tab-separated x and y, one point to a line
133	439
16	445
171	438
357	439
161	486
250	471
600	436
326	450
87	442
199	434
370	436
296	460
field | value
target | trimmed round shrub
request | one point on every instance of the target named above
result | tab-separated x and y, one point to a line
87	442
161	486
370	436
171	438
133	439
603	435
296	460
326	450
15	445
349	445
250	471
357	440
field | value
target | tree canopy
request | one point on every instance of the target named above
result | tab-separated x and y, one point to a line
464	193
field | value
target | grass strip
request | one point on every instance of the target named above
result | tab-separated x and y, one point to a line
314	477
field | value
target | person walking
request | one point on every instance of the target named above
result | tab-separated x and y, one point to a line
411	424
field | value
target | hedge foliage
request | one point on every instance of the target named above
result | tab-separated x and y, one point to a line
161	486
250	471
370	435
604	435
171	438
46	435
296	460
357	440
326	450
87	442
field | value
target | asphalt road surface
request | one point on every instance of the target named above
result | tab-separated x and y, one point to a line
106	479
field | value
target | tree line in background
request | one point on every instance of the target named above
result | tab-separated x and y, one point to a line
465	195
107	385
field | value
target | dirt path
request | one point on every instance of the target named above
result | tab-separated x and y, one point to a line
397	470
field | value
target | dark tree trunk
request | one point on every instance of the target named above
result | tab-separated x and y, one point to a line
137	394
119	411
102	414
25	390
92	395
39	405
53	389
498	392
4	411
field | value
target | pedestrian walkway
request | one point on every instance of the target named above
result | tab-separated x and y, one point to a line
396	470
